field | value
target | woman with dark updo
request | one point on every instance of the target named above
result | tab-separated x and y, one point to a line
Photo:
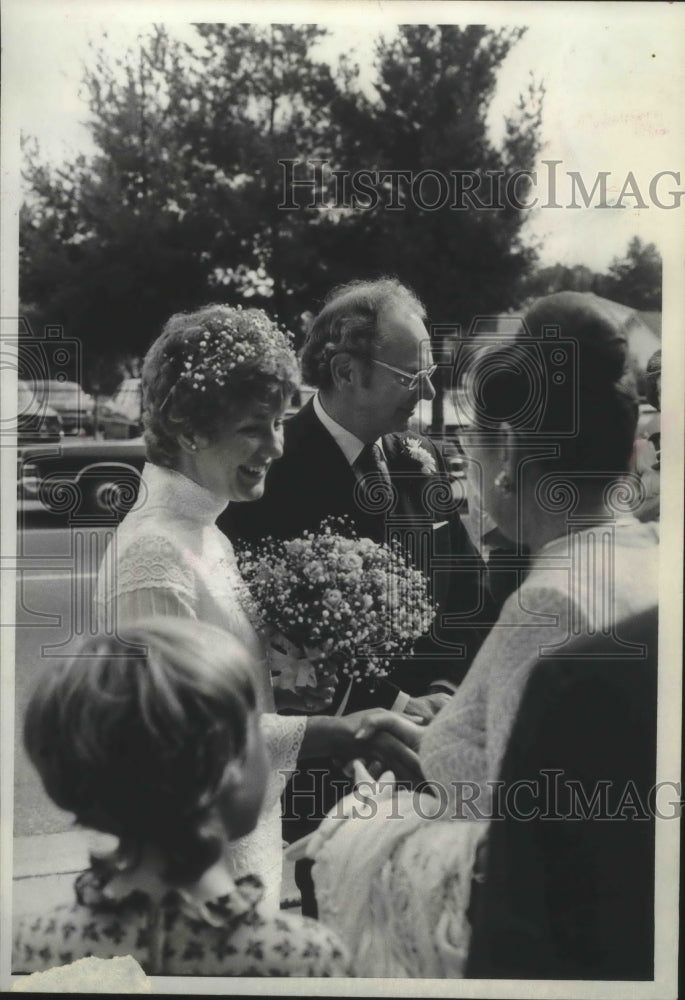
561	486
556	413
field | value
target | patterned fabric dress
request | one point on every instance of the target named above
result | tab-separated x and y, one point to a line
231	935
168	558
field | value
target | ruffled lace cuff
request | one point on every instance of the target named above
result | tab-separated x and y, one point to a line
283	736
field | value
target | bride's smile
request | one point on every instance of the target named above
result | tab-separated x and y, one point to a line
233	464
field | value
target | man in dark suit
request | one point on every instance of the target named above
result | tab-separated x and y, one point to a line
349	452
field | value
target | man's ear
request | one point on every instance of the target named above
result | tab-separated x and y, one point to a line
342	370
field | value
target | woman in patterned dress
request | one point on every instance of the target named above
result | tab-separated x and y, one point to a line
154	737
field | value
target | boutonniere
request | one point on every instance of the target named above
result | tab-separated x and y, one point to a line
417	453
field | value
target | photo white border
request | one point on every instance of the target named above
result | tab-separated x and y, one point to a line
17	15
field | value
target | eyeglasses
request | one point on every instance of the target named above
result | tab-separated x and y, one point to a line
409	380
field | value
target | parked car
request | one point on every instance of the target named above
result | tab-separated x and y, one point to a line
121	416
88	482
302	395
82	480
36	421
75	407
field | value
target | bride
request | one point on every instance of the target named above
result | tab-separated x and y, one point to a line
215	387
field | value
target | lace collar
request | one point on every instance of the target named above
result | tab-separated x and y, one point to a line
181	496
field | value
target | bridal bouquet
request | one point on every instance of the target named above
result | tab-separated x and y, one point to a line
358	603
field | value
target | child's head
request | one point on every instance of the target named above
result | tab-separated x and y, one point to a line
150	736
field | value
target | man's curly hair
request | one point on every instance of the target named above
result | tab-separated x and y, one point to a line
349	322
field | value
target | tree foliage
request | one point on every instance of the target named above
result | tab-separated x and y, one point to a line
636	279
180	203
435	85
633	280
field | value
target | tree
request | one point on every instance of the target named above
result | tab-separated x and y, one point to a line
180	204
107	252
635	280
435	85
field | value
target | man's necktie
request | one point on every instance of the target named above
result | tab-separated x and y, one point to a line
372	460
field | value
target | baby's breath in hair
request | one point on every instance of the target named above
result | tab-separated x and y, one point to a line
229	342
206	367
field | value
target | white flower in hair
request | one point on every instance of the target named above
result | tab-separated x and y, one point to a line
229	341
420	455
246	336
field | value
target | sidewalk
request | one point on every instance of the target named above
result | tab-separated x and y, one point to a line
46	864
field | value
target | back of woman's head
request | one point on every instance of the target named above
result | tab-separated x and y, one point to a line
565	379
133	734
205	368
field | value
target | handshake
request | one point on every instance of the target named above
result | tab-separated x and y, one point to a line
305	681
389	741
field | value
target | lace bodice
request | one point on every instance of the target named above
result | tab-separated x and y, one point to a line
169	558
578	586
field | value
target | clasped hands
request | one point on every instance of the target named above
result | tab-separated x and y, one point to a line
385	741
393	738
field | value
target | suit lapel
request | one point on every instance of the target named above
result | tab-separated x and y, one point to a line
330	478
311	439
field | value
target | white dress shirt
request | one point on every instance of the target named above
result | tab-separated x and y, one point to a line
351	447
349	443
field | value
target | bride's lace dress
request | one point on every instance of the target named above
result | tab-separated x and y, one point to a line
169	558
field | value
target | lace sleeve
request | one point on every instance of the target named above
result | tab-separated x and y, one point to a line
283	735
515	652
152	602
466	740
146	577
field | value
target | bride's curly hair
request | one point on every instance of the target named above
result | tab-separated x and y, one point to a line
133	735
205	368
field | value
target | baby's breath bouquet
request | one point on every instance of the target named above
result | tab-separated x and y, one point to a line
359	603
